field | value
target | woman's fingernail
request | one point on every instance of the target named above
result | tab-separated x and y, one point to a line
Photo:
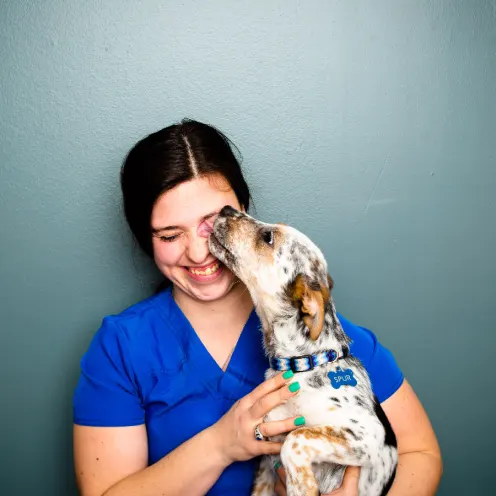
299	421
294	387
288	374
277	465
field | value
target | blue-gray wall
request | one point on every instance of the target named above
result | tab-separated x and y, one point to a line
369	125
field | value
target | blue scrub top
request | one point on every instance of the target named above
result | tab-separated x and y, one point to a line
148	366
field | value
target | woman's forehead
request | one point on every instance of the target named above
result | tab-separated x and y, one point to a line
189	202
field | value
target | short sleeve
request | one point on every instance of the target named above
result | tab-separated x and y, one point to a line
106	394
385	375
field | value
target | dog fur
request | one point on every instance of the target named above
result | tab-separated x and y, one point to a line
288	280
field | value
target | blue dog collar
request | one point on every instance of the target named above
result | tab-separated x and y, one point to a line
304	363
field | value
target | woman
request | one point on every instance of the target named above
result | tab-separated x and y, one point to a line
171	390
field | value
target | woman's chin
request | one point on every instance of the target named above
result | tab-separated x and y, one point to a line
208	290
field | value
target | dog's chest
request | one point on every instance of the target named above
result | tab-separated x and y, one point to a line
322	404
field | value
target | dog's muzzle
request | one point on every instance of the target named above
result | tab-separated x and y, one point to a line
218	239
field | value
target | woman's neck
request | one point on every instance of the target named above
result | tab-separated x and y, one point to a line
235	305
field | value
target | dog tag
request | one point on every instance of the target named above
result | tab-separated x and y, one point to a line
342	378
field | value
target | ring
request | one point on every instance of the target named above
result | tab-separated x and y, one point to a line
258	434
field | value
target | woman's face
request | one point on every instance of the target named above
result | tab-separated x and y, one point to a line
181	223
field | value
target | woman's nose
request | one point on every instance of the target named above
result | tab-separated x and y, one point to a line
198	248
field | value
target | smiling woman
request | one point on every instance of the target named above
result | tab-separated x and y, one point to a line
180	228
171	398
173	156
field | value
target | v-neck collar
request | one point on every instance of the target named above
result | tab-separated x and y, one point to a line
247	360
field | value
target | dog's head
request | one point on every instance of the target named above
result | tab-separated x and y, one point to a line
283	270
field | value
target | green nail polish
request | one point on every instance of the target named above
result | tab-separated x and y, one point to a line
294	387
299	421
277	465
288	374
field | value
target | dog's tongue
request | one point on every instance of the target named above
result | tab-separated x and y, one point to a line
205	229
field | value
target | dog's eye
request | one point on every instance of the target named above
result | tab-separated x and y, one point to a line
268	237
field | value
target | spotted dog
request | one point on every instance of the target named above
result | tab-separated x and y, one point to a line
288	280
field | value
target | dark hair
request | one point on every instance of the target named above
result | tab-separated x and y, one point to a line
169	157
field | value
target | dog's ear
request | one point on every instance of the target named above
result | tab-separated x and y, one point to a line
312	303
330	283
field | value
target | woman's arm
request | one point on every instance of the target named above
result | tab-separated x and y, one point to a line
112	461
420	466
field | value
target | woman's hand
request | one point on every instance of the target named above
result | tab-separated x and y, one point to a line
236	429
349	487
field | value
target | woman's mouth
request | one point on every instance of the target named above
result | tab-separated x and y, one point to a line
211	269
205	273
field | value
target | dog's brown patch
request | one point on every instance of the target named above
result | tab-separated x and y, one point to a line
261	488
330	282
326	432
312	303
265	251
305	481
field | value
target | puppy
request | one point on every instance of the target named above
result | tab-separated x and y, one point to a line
288	280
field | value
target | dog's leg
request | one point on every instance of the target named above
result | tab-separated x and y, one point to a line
310	445
264	479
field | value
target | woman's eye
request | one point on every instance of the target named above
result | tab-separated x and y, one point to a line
169	239
268	237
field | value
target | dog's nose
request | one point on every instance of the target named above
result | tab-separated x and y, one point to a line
228	211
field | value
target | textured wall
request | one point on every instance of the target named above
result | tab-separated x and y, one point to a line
369	125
